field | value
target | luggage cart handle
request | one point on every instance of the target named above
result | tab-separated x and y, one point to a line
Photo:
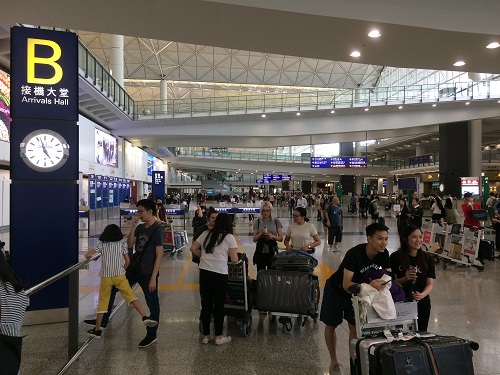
354	289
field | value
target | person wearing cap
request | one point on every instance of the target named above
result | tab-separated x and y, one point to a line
467	208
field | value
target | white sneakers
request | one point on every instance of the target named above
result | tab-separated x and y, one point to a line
223	340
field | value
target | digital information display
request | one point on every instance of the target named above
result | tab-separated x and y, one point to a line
267	178
338	162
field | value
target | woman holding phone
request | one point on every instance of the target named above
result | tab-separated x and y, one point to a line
414	269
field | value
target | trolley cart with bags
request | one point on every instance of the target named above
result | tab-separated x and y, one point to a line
288	294
391	352
174	241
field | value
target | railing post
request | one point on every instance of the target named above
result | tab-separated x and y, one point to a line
73	344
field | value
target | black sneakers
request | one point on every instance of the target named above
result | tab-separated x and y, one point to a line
147	341
92	322
95	333
147	321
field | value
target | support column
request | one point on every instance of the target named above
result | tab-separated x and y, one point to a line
475	151
389	185
116	64
163	96
358	185
419	150
453	156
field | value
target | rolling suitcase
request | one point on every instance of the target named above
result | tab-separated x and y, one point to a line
294	261
451	354
287	292
398	358
359	353
486	250
381	220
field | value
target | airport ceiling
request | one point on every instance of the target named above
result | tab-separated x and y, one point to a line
273	42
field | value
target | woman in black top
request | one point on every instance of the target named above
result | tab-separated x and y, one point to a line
414	269
402	216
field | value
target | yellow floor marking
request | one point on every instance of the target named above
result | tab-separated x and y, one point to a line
240	250
184	269
323	271
178	286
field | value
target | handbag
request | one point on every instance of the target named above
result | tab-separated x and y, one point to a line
134	267
10	352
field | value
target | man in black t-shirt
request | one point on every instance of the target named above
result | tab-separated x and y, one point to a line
337	304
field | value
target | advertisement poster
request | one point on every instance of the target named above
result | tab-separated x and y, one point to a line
5	119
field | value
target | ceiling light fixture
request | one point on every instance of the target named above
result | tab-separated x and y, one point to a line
263	115
493	45
367	109
400	107
434	105
298	113
355	54
332	112
374	33
459	63
467	103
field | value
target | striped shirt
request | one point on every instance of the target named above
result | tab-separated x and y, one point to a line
112	258
12	308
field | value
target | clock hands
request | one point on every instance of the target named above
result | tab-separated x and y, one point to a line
44	148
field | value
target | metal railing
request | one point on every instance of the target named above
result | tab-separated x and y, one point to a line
103	81
74	351
316	100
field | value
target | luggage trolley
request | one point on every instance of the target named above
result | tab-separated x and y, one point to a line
461	247
238	303
376	330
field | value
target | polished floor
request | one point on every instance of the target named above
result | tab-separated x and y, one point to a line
465	303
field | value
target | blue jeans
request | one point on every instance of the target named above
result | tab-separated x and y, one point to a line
152	301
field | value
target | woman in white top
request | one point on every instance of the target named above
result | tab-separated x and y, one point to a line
300	233
213	247
13	303
267	231
437	210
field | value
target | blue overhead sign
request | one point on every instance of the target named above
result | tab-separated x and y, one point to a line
338	162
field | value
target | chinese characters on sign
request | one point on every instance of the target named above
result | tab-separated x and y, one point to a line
338	162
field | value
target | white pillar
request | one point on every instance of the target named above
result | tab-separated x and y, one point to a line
116	64
419	150
163	96
380	182
358	184
389	186
475	150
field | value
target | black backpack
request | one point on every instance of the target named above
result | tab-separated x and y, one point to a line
371	210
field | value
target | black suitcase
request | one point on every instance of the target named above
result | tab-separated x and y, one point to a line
287	292
294	261
400	358
453	355
486	250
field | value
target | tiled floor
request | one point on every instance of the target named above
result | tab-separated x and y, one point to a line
465	303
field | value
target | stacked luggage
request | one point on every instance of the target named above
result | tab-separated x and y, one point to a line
413	354
289	289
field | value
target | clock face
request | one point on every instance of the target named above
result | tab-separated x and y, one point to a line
44	150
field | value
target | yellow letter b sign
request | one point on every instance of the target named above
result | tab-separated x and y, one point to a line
33	60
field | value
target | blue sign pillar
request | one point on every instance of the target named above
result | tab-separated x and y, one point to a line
44	161
159	185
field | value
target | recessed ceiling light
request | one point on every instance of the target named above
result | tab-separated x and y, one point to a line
367	109
374	34
355	54
467	103
459	63
400	107
434	105
298	113
493	45
263	115
332	112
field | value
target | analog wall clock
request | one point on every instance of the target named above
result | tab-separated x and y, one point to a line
44	150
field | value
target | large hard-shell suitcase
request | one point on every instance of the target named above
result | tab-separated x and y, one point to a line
359	353
287	292
400	358
453	355
294	261
486	250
